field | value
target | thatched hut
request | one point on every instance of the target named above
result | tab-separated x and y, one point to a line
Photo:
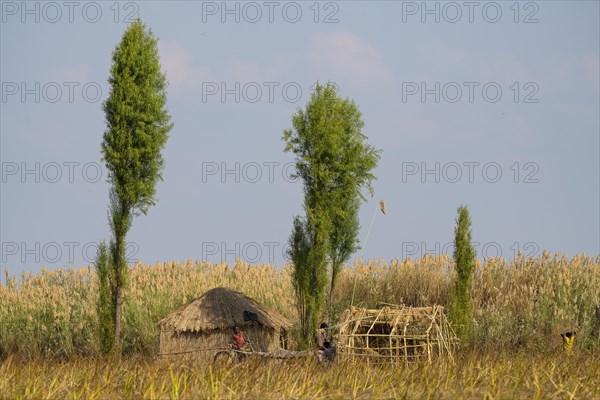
203	326
396	333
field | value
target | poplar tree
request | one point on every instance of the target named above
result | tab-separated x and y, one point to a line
464	261
137	123
334	162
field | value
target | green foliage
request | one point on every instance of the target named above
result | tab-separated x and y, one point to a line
105	305
317	226
461	309
335	164
137	130
298	252
137	119
120	223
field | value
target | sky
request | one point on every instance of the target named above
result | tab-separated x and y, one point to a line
494	105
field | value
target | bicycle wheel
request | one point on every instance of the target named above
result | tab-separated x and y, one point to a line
224	358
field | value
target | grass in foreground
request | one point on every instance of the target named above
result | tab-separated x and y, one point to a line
477	376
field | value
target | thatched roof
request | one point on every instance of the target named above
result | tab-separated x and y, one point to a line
221	308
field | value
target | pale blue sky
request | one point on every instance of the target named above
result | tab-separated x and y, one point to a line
542	132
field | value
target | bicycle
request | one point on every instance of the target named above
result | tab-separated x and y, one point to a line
232	355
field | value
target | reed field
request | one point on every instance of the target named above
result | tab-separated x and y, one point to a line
473	375
49	330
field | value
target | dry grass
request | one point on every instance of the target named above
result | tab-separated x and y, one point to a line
477	376
525	303
49	346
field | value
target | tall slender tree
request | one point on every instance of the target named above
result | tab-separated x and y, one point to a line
335	164
137	130
464	260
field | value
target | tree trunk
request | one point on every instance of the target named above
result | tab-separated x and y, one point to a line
120	265
334	270
117	292
117	346
329	320
330	297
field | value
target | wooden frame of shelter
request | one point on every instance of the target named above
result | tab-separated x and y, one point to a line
396	333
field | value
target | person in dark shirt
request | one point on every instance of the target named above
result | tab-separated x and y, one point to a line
329	352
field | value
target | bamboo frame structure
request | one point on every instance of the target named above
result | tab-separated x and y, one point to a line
396	333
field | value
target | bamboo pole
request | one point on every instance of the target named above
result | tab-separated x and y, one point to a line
394	333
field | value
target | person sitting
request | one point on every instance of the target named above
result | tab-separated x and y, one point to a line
240	340
320	340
